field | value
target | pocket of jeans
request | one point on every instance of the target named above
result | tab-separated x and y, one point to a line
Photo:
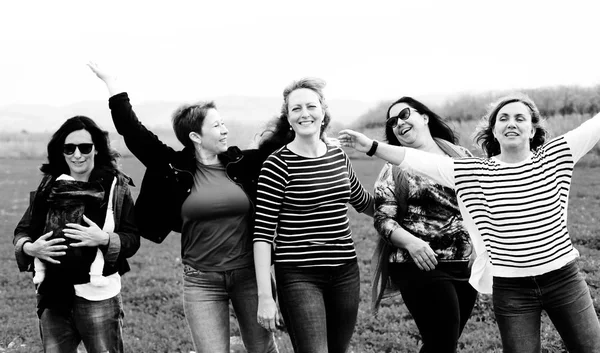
190	271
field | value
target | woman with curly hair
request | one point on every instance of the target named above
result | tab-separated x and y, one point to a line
81	214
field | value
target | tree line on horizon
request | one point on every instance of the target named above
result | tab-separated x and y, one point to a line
551	101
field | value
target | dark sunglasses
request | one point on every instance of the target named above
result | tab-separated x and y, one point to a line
403	115
84	148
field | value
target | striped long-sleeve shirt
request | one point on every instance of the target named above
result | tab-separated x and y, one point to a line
516	213
301	206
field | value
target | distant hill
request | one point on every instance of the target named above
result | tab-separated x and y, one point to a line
157	114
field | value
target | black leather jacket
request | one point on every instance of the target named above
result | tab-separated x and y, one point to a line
124	242
169	174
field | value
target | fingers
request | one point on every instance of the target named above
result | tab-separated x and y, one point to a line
426	260
79	227
50	260
46	236
279	321
88	221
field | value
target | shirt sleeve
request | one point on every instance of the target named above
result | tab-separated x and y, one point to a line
270	192
584	137
386	203
436	167
360	198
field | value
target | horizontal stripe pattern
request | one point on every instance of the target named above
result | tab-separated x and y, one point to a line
303	201
520	209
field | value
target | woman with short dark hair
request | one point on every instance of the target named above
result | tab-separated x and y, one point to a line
206	192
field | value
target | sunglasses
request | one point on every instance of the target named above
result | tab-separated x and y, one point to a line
84	148
393	121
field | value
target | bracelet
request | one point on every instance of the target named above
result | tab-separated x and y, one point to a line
371	152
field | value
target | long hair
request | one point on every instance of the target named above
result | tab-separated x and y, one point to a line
485	131
189	118
279	132
106	158
437	127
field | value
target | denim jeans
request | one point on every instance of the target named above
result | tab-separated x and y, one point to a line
99	324
319	305
440	304
563	294
206	297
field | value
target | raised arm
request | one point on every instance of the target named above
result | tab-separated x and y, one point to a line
361	143
583	138
437	167
144	144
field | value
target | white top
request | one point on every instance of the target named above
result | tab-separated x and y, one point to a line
516	213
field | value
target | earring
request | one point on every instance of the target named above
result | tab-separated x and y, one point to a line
291	128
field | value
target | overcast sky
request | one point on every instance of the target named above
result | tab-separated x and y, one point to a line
366	50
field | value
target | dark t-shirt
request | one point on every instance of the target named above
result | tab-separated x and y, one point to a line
215	235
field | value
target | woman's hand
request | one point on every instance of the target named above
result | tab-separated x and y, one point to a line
87	236
45	249
356	140
268	315
102	74
422	254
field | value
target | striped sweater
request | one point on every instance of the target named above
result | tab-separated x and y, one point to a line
516	213
301	207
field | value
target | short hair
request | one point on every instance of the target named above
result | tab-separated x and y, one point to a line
106	158
279	132
189	118
485	131
437	126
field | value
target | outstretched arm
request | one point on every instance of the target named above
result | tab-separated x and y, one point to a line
144	144
111	81
439	168
361	143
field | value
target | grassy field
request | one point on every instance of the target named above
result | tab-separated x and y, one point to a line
154	319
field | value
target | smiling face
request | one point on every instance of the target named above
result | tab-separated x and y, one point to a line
80	164
412	131
513	127
214	133
305	113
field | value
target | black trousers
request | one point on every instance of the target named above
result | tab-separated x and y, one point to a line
440	301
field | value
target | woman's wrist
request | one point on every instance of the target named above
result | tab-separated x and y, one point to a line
27	247
373	148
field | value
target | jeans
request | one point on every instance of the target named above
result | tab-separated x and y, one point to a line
99	324
439	304
319	305
563	294
206	297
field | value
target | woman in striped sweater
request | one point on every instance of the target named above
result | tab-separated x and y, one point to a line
301	208
514	204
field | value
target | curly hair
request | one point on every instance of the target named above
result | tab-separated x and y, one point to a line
437	126
106	158
484	134
278	132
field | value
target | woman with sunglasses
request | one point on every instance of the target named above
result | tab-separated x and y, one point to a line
424	249
514	205
206	192
83	205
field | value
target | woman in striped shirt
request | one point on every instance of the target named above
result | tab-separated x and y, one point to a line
514	204
301	210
